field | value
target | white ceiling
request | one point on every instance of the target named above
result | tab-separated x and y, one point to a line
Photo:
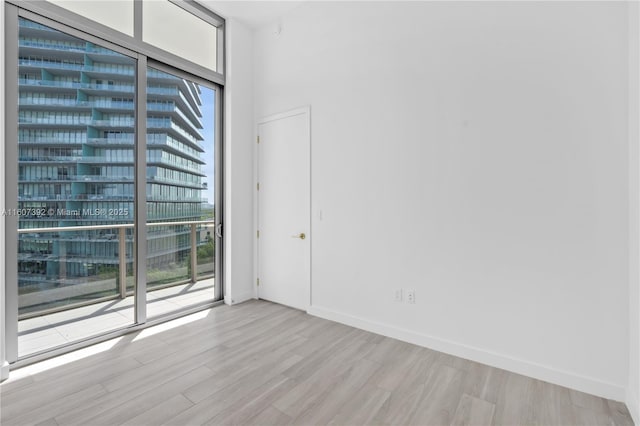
252	13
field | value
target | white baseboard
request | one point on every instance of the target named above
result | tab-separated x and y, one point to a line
538	371
242	297
4	371
633	404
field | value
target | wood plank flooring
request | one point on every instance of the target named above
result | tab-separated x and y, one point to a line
260	363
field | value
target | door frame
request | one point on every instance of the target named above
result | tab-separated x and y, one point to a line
303	110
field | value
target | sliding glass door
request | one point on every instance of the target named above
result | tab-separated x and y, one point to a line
180	169
113	171
75	204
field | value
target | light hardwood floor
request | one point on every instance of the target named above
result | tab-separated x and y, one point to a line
260	363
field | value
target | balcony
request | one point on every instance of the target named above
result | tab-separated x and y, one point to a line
53	102
108	70
75	178
170	91
178	182
52	46
51	83
58	308
108	160
173	165
50	159
113	122
58	121
47	331
105	87
126	141
51	64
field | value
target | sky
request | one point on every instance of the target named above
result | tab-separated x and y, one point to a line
208	131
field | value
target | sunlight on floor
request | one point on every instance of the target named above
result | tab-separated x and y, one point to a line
171	324
62	360
60	328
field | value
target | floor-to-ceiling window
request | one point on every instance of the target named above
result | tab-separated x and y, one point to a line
113	163
75	188
180	191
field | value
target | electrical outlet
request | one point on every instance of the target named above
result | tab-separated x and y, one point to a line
398	295
411	296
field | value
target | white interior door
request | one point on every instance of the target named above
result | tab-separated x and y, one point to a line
284	208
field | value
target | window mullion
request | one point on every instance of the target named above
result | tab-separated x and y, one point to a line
140	199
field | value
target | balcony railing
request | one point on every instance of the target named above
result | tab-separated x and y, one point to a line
181	182
43	159
121	234
77	85
76	178
56	46
182	149
24	23
72	121
105	159
53	102
51	83
174	165
129	140
108	70
49	64
116	122
163	91
159	74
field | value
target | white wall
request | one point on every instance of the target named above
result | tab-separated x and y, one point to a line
4	365
474	152
633	391
238	151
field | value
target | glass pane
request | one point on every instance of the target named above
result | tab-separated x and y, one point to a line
117	14
196	40
180	189
75	188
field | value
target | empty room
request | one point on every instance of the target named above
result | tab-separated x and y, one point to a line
319	212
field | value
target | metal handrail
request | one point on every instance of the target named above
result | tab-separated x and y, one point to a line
122	241
114	226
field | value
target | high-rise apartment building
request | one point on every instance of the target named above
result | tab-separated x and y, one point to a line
76	165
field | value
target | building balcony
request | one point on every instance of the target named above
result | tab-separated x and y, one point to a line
173	165
50	159
101	51
55	121
50	65
167	124
52	46
25	23
113	123
50	83
40	333
177	114
175	148
170	91
89	69
75	178
109	88
177	182
50	302
123	141
31	102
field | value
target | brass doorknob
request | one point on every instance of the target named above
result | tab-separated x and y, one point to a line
301	236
